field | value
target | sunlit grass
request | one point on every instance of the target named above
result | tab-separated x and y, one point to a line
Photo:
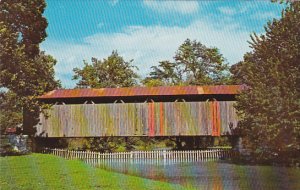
39	171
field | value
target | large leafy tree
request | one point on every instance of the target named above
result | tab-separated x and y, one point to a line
194	64
270	107
201	65
24	70
111	72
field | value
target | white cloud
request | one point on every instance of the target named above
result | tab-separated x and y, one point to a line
182	7
146	45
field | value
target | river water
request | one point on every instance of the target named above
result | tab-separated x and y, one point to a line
207	174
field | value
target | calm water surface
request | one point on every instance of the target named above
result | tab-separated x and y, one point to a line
207	174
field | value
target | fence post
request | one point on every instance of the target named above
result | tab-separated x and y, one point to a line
131	155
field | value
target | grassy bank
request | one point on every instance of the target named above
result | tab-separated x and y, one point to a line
38	171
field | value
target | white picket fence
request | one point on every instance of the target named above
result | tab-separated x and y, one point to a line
189	155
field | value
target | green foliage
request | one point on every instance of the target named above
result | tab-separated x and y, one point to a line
200	65
270	107
112	72
38	171
23	26
238	73
24	70
108	144
194	64
74	143
114	144
152	82
10	112
166	73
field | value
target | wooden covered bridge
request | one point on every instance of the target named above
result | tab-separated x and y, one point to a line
140	111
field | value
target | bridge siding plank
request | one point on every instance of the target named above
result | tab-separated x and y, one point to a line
139	119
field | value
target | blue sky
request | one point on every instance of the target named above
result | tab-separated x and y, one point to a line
148	31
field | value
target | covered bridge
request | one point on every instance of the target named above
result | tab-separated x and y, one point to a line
140	111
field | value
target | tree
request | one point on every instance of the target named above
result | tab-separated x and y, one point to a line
23	24
24	70
109	73
166	73
238	72
270	107
151	82
201	65
10	111
194	64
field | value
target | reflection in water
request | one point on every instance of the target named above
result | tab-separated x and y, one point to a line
217	184
205	174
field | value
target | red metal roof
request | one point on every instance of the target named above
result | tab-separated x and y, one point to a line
143	91
11	130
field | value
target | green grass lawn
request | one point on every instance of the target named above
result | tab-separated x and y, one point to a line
40	171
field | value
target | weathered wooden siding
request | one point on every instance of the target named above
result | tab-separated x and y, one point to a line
139	119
